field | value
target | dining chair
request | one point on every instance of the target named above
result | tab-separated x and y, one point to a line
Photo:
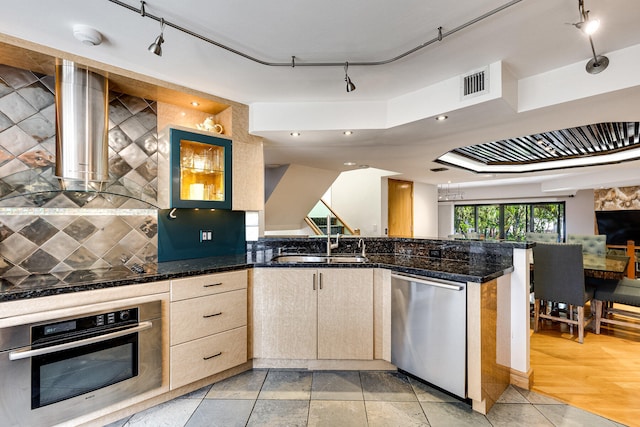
591	243
626	292
559	273
541	237
530	236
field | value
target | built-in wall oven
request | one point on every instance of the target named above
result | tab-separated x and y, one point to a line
61	369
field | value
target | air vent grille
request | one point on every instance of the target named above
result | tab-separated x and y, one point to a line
439	169
475	83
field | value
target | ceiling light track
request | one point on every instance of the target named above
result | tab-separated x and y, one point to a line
293	63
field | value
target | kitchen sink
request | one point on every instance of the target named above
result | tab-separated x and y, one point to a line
330	259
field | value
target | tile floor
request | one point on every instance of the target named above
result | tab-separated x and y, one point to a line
341	398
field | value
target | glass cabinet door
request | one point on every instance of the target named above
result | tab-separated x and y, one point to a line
201	170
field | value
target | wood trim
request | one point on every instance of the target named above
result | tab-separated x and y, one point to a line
312	225
521	379
35	57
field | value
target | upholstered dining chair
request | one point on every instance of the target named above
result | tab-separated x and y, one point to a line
559	274
595	244
530	236
541	237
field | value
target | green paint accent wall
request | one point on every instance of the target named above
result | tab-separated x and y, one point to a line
180	237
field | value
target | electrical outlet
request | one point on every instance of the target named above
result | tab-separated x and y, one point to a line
206	235
435	253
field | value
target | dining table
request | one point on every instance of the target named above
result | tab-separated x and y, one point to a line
608	267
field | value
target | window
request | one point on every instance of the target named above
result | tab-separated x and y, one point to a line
510	221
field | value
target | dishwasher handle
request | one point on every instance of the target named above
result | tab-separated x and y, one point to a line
429	282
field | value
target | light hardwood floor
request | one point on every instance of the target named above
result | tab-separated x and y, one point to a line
601	376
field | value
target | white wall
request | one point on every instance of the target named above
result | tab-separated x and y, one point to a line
581	213
357	197
360	197
425	210
445	219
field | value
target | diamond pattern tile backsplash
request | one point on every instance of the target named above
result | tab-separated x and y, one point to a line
46	230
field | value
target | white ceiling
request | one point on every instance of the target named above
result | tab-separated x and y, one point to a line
532	38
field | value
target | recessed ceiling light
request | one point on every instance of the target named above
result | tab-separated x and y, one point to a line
347	132
295	134
363	166
195	103
442	118
350	163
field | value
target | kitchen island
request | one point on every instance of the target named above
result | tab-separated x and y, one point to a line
486	268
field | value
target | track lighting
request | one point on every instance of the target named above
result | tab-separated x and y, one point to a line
156	46
589	26
586	24
350	86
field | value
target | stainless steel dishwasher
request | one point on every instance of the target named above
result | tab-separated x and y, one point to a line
429	330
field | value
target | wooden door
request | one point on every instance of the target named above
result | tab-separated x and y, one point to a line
400	208
345	314
285	316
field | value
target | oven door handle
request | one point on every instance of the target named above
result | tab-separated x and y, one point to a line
27	352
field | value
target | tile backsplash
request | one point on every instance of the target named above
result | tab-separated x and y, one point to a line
44	229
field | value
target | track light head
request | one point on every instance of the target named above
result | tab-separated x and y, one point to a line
586	24
589	26
156	46
350	86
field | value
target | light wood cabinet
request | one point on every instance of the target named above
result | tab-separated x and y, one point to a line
345	314
313	314
199	286
206	356
198	317
284	313
208	325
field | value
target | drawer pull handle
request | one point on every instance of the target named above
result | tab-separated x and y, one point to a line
213	284
206	316
211	357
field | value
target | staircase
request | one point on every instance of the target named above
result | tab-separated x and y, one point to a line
317	221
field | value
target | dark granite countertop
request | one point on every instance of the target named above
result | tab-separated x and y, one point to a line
14	288
39	285
449	269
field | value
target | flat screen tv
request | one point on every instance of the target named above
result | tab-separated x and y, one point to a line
619	226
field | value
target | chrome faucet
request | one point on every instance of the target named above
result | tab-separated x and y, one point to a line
362	245
329	244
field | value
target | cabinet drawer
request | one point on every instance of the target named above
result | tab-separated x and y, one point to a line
201	358
199	317
208	284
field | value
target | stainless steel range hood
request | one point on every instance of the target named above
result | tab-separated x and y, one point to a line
82	115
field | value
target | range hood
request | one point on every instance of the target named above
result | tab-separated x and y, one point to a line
82	115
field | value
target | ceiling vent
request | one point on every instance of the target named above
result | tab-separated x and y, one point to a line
474	83
438	169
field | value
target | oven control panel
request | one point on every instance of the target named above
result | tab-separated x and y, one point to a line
84	325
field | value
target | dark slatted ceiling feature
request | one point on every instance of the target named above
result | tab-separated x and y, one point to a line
588	140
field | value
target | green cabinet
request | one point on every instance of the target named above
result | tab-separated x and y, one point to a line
194	170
